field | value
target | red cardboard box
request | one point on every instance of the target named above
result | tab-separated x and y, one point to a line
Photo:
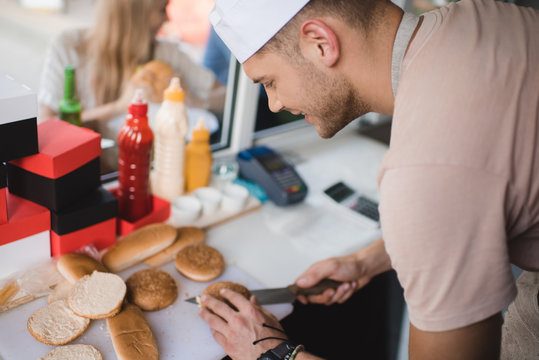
160	213
24	239
25	218
65	169
101	235
63	147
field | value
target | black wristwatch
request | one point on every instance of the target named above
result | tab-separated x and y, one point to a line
279	352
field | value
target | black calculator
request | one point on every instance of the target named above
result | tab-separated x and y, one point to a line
356	206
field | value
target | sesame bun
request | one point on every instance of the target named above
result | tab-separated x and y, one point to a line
73	266
131	335
56	324
71	352
187	235
200	262
139	245
97	296
151	289
214	289
157	74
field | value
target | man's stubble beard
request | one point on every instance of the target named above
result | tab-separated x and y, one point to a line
331	102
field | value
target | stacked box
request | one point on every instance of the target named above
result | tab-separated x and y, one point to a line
3	193
90	220
18	120
65	169
24	239
24	225
65	178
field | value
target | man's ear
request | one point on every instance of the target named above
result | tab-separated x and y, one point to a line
319	41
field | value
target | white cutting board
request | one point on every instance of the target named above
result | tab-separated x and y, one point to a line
178	330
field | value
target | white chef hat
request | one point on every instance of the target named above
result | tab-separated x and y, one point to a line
246	25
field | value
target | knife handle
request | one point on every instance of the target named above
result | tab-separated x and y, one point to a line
316	289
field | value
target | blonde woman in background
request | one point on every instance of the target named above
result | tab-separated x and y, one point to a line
106	57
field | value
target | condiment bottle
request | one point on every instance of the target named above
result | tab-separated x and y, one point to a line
135	140
69	107
171	126
198	158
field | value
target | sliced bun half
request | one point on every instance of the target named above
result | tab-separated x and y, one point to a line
73	266
131	335
56	324
139	245
200	262
73	352
187	235
97	296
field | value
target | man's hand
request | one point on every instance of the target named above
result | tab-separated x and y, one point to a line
354	270
236	331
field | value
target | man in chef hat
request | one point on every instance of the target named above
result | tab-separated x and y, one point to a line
458	187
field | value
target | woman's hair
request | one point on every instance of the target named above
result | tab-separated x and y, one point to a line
119	41
359	14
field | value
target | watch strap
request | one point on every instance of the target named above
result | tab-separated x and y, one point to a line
279	352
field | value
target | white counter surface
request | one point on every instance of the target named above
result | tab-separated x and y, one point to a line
276	244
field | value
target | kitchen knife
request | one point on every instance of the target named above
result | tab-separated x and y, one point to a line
287	294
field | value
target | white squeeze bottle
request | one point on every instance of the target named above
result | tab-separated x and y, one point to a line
170	130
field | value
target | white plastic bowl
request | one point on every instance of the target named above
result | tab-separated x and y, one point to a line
186	209
234	197
210	199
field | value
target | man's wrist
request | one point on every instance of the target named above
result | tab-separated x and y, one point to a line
286	350
375	258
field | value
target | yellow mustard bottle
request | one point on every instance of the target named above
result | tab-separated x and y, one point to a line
198	158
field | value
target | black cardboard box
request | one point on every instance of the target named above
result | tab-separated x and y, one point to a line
3	195
18	120
55	194
97	206
18	139
3	175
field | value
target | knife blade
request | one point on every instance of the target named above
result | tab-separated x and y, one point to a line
286	294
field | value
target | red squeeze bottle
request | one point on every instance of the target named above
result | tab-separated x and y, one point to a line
135	141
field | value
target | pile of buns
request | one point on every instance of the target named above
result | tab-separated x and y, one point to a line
159	244
92	290
155	75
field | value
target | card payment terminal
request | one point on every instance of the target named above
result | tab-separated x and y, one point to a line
274	174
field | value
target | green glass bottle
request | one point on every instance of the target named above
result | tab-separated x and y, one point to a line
70	108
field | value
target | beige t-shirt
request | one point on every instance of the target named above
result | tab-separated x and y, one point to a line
459	186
